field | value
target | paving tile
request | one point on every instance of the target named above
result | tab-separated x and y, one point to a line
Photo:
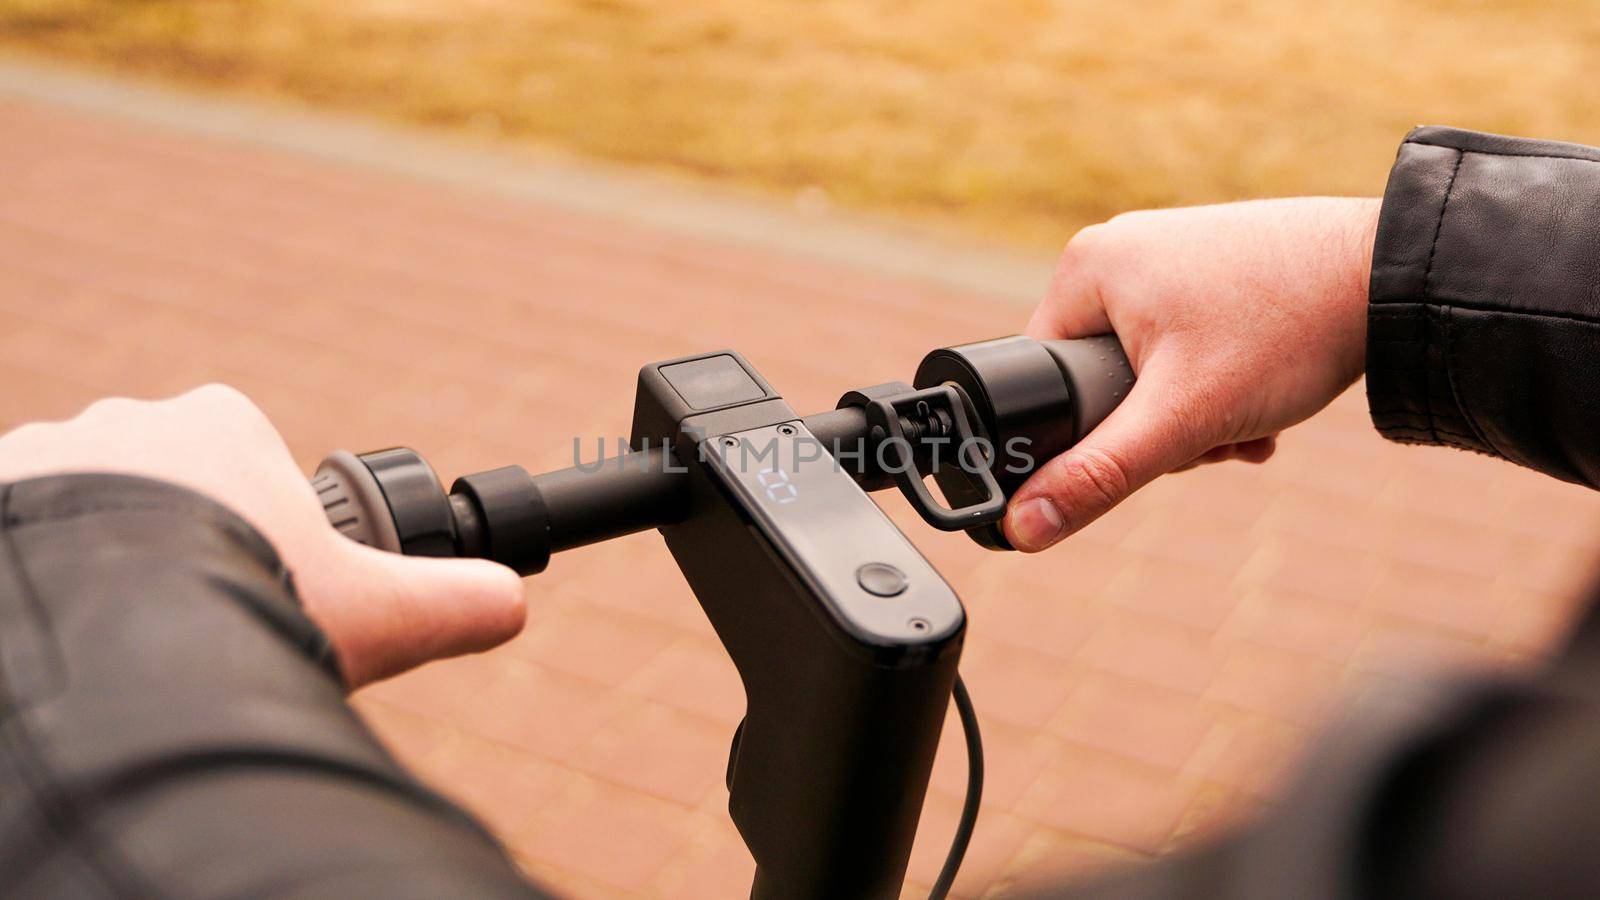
1299	623
564	882
994	845
1109	799
714	864
411	737
1325	517
1529	623
593	643
1247	753
503	786
1560	567
1049	858
1178	590
611	834
1328	570
1149	649
1014	758
1216	812
1005	603
660	751
1275	683
1151	725
1018	686
545	712
1402	648
1172	536
694	675
1448	599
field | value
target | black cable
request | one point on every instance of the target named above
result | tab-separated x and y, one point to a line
969	807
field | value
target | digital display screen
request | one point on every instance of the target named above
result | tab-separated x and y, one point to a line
779	486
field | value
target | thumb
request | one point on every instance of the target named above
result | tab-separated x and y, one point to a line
403	611
1149	434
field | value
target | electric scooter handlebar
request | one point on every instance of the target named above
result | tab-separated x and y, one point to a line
846	639
1024	398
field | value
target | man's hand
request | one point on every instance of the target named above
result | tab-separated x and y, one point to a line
1240	320
383	612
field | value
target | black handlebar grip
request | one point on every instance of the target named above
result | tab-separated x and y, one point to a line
1048	394
1035	399
1098	376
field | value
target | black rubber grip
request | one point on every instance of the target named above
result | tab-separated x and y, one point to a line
1098	375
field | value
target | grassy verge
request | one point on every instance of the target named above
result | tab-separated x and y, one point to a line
1021	119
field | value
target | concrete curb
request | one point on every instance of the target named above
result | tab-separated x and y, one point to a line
839	239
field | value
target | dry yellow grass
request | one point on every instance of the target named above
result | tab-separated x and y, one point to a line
1017	118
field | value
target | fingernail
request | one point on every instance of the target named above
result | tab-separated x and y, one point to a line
1036	524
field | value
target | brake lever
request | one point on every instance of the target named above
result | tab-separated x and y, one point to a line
904	421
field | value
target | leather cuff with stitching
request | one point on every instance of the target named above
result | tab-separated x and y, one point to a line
1409	391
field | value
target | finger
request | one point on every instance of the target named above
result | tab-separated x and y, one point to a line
1153	432
1254	451
1072	307
417	609
1257	451
1215	454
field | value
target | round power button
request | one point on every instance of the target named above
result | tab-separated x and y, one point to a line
881	579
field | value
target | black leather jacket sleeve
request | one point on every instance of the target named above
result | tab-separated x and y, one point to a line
171	723
1484	321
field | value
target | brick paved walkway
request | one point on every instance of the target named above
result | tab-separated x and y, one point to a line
1145	683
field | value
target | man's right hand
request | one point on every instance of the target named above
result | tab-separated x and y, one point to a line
1240	320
